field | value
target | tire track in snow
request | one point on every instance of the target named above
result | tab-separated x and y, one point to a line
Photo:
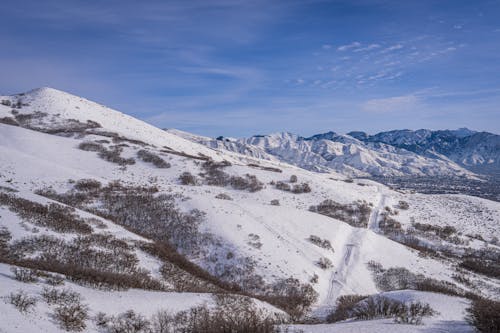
350	255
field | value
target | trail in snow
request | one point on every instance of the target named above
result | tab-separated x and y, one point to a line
349	257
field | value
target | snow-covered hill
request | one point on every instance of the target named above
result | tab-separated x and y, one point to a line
96	199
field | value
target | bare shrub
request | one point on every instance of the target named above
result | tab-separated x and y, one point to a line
483	315
61	297
254	241
54	216
292	296
283	186
413	313
293	179
5	237
344	308
88	185
54	280
324	263
223	196
355	214
72	317
101	320
404	205
324	243
22	301
91	146
113	156
296	188
128	322
382	307
275	202
231	314
150	157
482	266
187	178
301	188
24	274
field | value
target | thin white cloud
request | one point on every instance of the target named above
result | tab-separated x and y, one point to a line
348	46
367	48
403	103
326	46
392	48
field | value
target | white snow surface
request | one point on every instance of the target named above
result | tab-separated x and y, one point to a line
30	160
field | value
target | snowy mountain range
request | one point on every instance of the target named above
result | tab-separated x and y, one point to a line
121	223
357	154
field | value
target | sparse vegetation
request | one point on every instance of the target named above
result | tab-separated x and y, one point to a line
187	178
483	315
324	263
24	274
150	157
296	188
355	214
223	196
53	216
72	317
22	301
275	202
373	307
324	243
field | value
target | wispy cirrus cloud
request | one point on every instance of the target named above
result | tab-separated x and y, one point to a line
391	104
348	46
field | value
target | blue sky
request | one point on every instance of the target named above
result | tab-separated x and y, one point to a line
238	68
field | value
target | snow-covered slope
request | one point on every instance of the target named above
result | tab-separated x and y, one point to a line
253	223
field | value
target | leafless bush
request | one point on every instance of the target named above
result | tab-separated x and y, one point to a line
296	188
54	216
61	297
128	322
486	267
324	263
344	308
22	301
355	214
293	179
187	178
483	315
324	243
223	196
275	202
403	205
24	274
54	280
5	237
234	314
283	186
91	146
254	241
150	157
389	225
382	307
249	183
292	296
113	156
88	185
72	317
301	188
